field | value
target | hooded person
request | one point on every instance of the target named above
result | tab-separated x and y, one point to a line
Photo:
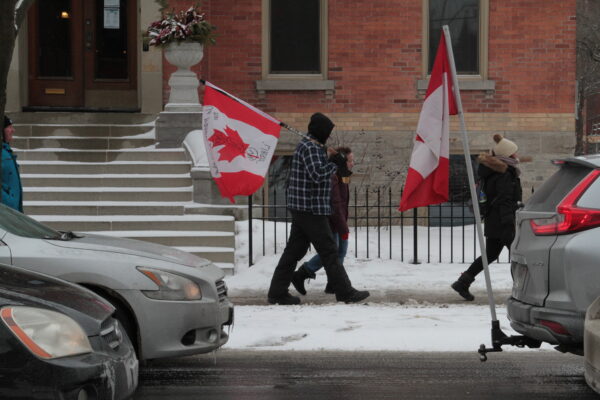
12	191
499	179
320	127
309	202
338	221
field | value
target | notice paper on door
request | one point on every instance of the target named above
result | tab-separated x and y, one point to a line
111	18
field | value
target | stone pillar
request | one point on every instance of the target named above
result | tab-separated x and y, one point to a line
183	112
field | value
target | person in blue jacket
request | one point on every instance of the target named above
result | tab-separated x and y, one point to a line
12	191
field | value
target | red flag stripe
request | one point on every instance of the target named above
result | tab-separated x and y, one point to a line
431	190
242	183
240	112
441	65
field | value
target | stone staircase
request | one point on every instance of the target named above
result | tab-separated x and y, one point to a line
102	173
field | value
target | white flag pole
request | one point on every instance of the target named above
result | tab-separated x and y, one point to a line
474	199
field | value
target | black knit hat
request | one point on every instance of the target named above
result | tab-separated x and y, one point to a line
7	121
320	127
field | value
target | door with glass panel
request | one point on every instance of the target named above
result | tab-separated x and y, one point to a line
82	54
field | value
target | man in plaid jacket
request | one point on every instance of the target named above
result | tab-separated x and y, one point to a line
309	201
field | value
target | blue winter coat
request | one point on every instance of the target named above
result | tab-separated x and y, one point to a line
12	191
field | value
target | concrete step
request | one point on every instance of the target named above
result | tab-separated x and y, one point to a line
178	238
83	143
102	208
102	155
94	194
79	131
82	223
116	167
69	118
214	254
107	180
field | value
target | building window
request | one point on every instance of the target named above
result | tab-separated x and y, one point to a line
295	37
468	23
294	46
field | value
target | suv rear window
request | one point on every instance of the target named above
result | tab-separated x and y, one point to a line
549	195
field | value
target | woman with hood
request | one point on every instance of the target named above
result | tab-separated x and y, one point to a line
499	181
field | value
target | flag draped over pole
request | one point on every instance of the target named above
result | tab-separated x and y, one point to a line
428	172
240	141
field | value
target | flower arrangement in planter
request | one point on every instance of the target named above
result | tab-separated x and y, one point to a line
181	26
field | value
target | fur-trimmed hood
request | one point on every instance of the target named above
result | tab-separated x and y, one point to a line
492	162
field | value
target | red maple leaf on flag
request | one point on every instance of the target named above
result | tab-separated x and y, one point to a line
232	143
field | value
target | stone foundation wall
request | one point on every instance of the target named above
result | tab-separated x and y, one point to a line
382	143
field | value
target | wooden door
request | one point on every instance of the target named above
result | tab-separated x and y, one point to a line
83	54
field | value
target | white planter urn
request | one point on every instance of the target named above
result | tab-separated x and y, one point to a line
183	82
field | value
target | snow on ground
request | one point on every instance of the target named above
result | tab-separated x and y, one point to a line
372	273
368	326
360	327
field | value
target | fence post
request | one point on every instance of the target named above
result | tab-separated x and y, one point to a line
367	217
250	231
415	241
390	217
378	222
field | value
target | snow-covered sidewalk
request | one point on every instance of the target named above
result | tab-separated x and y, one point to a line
386	327
420	322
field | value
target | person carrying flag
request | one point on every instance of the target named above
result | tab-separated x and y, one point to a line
309	201
338	220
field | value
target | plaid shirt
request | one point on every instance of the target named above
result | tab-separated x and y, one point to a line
309	184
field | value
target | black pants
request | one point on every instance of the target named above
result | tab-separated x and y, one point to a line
493	248
309	229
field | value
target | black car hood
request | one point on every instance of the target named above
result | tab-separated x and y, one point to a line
26	288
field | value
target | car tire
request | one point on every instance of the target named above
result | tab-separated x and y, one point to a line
123	315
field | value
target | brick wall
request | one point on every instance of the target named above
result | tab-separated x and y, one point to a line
375	61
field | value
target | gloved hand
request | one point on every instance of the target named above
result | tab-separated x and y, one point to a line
338	159
345	236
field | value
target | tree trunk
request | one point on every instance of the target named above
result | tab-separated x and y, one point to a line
11	19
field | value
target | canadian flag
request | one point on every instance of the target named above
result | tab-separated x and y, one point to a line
240	141
427	178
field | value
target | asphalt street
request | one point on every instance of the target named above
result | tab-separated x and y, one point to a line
271	375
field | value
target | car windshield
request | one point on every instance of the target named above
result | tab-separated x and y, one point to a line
21	225
550	194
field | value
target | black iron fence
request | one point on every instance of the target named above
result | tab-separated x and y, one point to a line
443	233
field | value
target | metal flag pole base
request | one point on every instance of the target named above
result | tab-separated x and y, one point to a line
500	339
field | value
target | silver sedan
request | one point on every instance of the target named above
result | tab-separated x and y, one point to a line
170	302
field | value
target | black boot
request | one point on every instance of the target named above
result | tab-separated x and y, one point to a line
462	286
300	275
286	300
329	289
353	296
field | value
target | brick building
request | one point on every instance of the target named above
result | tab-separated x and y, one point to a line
365	64
517	60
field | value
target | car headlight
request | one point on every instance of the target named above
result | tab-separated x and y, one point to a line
170	286
47	334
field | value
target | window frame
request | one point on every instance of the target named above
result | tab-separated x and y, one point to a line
467	82
294	81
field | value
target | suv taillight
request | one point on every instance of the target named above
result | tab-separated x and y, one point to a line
570	217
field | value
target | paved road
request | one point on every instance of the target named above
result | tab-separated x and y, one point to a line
273	375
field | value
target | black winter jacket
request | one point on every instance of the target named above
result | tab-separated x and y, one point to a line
502	187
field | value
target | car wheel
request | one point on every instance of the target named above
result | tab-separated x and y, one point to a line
122	314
